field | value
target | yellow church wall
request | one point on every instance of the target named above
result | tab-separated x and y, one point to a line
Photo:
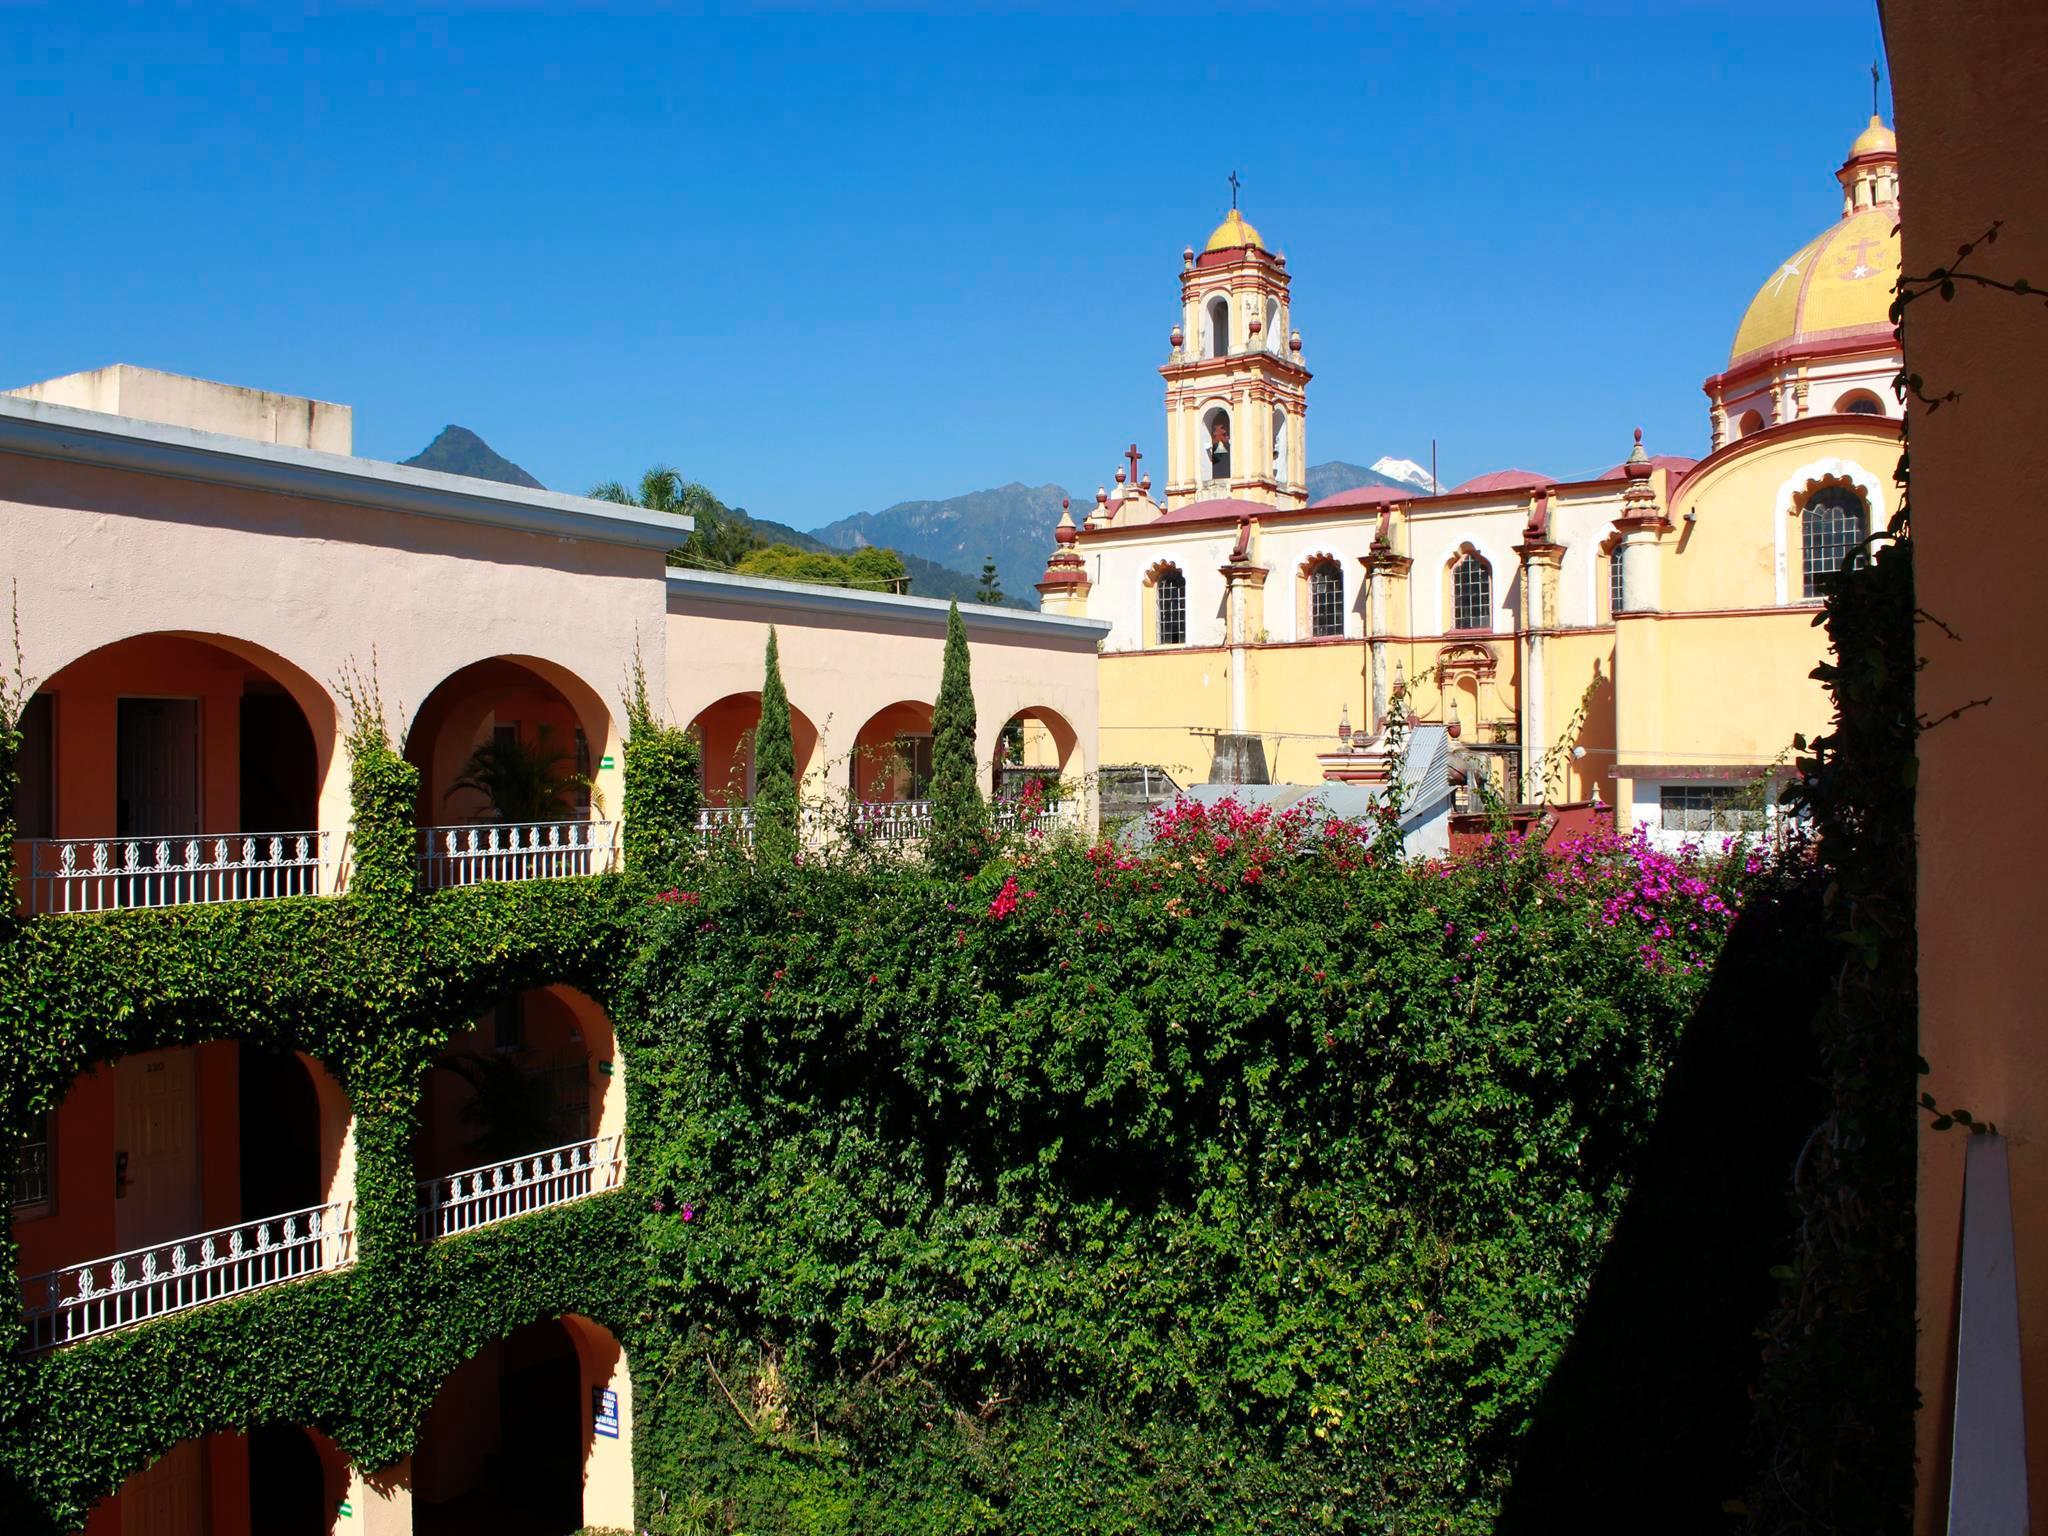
1151	701
1713	692
1579	667
1745	502
1297	694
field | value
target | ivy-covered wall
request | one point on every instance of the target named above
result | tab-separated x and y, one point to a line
373	984
1252	1184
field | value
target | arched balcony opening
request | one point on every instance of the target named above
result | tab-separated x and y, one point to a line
171	1179
1216	325
1036	758
1213	455
517	774
525	1110
1860	402
532	1434
279	1480
169	769
891	772
725	734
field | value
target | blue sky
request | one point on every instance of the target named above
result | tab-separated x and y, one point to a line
827	262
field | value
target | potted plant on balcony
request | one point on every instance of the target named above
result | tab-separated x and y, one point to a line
525	781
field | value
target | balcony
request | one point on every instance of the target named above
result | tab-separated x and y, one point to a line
510	851
112	874
81	1301
494	1192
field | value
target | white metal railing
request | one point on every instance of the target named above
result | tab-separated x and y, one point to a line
1043	822
883	821
476	1197
536	850
105	874
82	1300
892	821
725	821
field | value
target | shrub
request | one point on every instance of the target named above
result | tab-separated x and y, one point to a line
1252	1183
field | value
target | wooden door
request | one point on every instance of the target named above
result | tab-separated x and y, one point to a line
157	767
168	1498
156	1148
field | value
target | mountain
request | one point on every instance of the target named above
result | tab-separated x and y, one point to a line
1012	522
1407	472
459	451
1328	479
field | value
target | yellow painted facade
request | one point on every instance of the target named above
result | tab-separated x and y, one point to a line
1238	607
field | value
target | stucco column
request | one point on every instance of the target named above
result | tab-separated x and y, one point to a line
1542	562
1243	603
379	1504
1384	570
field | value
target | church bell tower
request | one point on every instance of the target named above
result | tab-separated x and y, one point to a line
1236	387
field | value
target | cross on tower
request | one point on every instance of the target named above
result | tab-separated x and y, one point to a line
1133	455
1873	88
1233	189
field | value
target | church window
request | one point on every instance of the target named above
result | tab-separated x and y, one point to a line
1617	581
1471	593
1750	421
1275	342
1219	327
1833	525
1325	599
1279	445
1216	444
1170	591
1860	402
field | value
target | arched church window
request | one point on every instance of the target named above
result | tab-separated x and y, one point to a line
1832	527
1276	343
1860	402
1471	593
1170	592
1279	445
1219	327
1748	422
1216	445
1617	581
1325	599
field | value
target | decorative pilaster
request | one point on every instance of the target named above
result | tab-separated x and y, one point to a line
1244	594
1642	524
1383	570
1064	588
1542	561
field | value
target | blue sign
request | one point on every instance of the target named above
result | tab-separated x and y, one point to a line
604	1412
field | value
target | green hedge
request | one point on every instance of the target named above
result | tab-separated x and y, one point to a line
1253	1185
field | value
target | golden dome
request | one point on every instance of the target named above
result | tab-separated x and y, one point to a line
1837	287
1875	140
1234	234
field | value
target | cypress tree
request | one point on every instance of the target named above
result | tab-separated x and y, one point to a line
959	835
775	796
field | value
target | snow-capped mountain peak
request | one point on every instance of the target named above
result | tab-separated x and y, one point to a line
1407	471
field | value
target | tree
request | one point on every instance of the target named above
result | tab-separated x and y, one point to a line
775	796
663	782
959	835
875	570
525	783
991	588
723	535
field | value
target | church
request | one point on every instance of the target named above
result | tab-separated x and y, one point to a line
1642	638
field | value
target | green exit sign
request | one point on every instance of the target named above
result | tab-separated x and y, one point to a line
607	762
